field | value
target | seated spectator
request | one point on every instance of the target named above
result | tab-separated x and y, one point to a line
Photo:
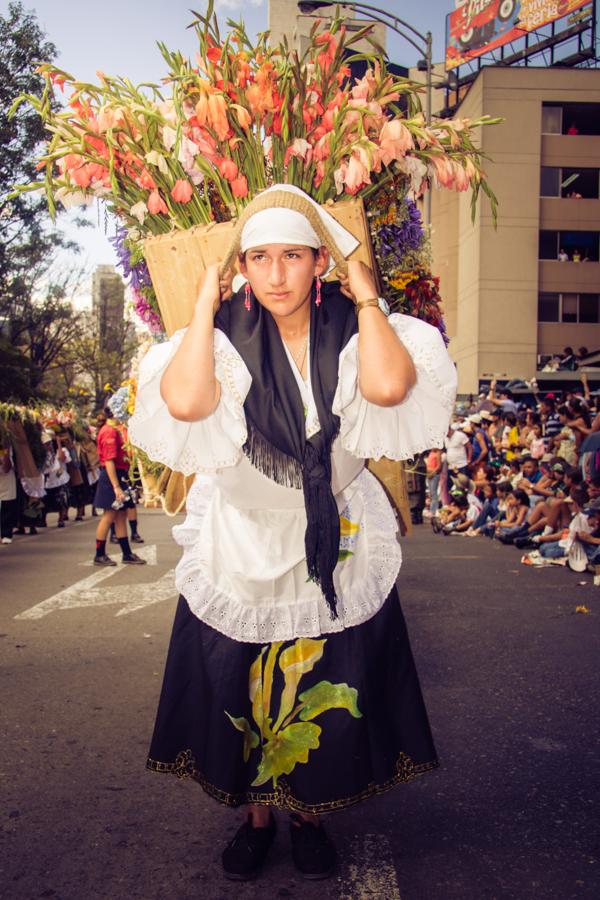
483	475
488	511
590	540
556	545
514	523
455	513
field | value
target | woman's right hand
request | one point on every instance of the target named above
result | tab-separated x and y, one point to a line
213	288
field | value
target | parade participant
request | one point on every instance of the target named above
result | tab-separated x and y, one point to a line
57	480
112	493
274	692
8	495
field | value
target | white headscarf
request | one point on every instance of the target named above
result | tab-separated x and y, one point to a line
286	226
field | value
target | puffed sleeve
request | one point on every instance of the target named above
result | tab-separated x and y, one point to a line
417	424
204	446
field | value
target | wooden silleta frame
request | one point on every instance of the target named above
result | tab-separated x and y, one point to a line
176	260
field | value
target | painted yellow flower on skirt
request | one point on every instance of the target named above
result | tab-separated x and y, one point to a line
287	738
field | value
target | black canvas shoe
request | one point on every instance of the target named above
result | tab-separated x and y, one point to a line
104	560
313	852
133	560
136	539
246	852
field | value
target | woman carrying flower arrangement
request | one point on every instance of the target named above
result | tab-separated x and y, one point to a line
290	681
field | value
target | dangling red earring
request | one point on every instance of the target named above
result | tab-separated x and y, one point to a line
247	301
318	297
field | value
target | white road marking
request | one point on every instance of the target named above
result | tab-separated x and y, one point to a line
372	874
87	592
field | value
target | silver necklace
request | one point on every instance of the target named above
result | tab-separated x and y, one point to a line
300	354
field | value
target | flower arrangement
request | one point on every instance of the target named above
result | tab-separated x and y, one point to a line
238	118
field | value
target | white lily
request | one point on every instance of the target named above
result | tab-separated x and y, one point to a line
157	159
139	211
169	136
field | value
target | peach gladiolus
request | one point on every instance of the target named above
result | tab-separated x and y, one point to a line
156	204
443	170
243	116
182	191
239	186
146	180
228	169
217	115
357	174
394	141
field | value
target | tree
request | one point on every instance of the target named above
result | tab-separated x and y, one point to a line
85	362
27	235
35	313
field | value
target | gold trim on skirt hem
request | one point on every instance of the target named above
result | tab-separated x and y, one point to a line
282	798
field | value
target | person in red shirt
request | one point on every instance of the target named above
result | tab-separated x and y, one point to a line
113	490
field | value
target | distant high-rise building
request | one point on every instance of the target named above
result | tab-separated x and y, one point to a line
286	20
108	307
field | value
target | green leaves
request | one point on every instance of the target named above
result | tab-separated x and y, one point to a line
251	739
324	696
286	749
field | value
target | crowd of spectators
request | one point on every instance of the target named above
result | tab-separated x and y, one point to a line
526	475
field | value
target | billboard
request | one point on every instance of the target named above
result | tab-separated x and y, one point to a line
476	27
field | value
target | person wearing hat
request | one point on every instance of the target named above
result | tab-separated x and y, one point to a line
458	449
275	396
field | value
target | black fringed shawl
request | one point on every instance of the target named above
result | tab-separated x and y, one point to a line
277	443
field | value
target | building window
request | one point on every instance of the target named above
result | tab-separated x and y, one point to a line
579	183
551	119
568	311
577	246
571	118
550	181
569	308
588	308
548	307
548	244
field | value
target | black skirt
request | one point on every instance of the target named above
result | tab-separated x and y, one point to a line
104	496
312	724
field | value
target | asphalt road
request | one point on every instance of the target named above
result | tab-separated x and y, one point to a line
511	676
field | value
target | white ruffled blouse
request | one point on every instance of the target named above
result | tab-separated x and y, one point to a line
243	569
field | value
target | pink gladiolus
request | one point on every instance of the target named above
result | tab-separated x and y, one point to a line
443	170
239	187
394	141
228	169
182	191
156	204
357	174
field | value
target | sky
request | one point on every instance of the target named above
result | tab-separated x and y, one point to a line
119	37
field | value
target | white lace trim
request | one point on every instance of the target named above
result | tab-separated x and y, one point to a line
300	617
417	424
189	447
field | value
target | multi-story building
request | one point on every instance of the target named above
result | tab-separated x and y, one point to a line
108	307
520	292
286	21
